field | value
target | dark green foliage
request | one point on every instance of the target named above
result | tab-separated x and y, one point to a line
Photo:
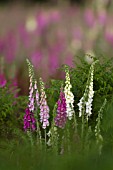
12	109
103	81
103	87
53	92
21	157
86	157
11	112
7	108
107	126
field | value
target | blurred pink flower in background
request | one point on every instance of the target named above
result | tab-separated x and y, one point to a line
52	36
36	59
24	36
109	37
3	80
55	16
78	33
10	47
42	21
89	17
53	63
2	46
102	17
69	60
109	31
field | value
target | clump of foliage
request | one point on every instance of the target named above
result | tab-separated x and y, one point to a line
58	125
103	80
86	93
11	109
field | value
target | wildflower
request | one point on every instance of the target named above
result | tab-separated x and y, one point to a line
30	115
61	117
31	97
80	104
33	90
90	96
44	109
85	103
69	96
29	120
36	93
31	71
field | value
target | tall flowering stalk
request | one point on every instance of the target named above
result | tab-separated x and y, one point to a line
33	90
69	107
36	94
44	109
37	105
31	118
61	117
69	96
85	104
99	138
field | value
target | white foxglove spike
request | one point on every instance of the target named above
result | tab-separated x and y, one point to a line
69	96
85	103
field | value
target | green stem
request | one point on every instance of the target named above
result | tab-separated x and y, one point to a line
82	132
38	133
30	137
45	139
68	137
75	123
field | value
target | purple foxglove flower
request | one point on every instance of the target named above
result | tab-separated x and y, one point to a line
29	120
31	104
37	98
31	91
61	117
44	114
44	109
31	96
37	93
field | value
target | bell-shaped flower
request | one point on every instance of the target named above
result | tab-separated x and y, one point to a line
29	120
69	96
44	109
61	117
